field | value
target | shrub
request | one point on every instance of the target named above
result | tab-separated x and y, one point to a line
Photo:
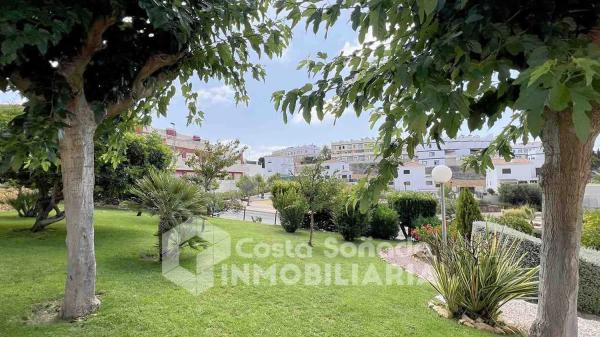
430	220
323	220
515	222
350	222
467	211
591	230
25	203
384	223
174	200
410	205
588	300
477	277
292	210
281	186
521	194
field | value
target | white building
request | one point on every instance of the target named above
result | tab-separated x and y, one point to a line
517	171
354	151
412	176
533	151
298	153
283	165
451	152
338	169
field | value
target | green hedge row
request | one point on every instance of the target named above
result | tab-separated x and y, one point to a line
589	265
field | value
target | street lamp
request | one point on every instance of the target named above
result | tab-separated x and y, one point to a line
442	174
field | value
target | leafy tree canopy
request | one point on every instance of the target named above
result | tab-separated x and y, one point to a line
427	67
124	54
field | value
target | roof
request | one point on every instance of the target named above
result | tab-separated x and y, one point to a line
412	163
514	161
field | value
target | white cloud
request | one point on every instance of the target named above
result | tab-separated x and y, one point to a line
215	95
350	47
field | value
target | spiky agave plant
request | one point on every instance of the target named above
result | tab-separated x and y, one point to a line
478	277
172	199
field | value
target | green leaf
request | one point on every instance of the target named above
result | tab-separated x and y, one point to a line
559	97
427	6
581	120
589	67
541	70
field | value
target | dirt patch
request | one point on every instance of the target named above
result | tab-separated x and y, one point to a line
44	313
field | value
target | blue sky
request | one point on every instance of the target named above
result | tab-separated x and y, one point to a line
258	125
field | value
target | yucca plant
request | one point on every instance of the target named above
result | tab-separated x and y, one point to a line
172	199
478	277
25	203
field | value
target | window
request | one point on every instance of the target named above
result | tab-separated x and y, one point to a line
429	183
506	171
406	171
432	154
436	162
407	183
343	176
538	171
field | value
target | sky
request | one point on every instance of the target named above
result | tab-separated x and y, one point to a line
257	125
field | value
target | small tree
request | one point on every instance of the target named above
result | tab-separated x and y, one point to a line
318	190
292	208
247	187
172	199
262	186
467	211
210	161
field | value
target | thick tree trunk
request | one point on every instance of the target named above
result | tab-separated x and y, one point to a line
565	173
77	165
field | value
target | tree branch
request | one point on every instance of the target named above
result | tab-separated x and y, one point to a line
73	70
139	89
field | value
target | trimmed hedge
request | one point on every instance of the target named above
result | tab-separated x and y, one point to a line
384	223
411	205
588	300
350	222
591	229
521	194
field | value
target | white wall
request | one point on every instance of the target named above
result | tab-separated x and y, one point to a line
412	178
518	173
283	165
338	169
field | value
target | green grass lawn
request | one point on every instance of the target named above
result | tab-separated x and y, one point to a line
138	301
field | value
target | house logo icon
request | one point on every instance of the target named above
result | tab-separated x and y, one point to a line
217	248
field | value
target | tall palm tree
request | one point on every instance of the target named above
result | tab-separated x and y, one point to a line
172	199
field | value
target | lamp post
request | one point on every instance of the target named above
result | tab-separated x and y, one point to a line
442	174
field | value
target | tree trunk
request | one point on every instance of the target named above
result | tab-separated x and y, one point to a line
312	225
46	203
77	166
564	175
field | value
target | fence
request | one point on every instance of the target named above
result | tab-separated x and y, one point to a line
254	215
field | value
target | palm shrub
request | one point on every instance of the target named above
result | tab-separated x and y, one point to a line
478	277
467	211
384	223
292	208
25	203
174	200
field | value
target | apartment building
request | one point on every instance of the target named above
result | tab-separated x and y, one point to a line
516	171
338	169
282	165
413	176
182	145
451	152
354	151
298	153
